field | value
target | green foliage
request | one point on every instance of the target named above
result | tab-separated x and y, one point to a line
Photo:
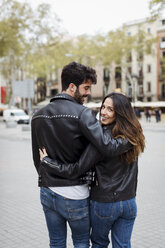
23	31
156	7
33	40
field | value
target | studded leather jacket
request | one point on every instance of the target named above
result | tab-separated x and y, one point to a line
65	128
112	179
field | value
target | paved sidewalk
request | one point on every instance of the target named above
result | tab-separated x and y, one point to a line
22	222
17	132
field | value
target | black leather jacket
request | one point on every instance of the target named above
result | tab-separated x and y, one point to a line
65	128
114	180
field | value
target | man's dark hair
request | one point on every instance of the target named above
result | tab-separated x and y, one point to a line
77	73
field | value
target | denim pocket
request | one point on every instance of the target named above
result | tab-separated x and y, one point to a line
104	210
79	213
47	200
132	207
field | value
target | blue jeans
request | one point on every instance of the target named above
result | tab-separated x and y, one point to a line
117	217
60	210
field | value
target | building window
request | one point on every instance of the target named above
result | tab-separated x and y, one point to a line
130	70
162	43
129	33
140	71
118	73
129	90
140	56
163	70
106	75
118	85
163	54
149	30
149	87
128	73
140	90
163	22
163	90
148	68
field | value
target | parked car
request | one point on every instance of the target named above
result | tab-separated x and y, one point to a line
17	115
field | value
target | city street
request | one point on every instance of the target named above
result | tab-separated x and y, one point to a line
22	222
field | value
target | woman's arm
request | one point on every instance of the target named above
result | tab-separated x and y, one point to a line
89	158
71	170
104	143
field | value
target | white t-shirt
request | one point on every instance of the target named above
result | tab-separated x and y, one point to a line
78	192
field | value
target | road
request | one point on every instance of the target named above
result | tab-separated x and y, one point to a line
22	222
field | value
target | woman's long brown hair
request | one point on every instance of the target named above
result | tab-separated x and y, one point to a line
127	126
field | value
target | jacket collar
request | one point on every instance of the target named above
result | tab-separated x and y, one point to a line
110	126
63	96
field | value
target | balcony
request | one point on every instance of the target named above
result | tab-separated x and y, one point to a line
161	98
162	44
162	77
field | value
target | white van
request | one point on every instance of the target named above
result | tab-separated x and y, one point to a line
17	115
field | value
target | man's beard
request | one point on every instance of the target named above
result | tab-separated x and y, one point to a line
78	97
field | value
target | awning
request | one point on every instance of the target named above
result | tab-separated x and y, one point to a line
149	104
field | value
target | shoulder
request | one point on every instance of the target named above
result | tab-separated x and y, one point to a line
41	112
87	113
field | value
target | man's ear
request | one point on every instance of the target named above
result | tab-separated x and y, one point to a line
72	87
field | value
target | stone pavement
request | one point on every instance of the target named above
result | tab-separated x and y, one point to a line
22	223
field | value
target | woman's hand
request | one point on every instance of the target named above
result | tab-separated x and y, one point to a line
43	153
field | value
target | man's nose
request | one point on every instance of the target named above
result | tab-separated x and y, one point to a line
88	92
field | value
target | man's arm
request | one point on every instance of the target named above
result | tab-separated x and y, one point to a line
104	143
35	151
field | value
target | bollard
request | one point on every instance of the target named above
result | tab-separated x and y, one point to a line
11	124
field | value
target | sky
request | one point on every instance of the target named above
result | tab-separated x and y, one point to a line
95	16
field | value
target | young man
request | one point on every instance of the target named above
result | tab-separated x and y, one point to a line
64	127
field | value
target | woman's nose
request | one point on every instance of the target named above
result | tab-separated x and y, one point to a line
103	111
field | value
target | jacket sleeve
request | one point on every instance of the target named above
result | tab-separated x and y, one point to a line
73	170
35	148
104	143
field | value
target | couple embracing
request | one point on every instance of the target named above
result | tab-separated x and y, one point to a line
72	149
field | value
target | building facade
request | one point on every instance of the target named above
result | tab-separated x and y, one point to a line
161	60
142	67
142	76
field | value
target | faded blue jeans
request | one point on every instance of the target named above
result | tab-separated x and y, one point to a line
60	210
116	218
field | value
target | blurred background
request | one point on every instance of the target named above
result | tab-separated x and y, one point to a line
123	40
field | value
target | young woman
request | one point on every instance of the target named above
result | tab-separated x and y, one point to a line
113	204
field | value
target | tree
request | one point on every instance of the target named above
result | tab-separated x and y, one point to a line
22	26
22	32
156	7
